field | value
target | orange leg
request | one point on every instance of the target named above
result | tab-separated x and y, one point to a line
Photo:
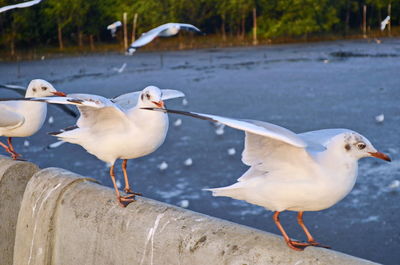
15	155
10	151
310	238
295	245
127	187
122	200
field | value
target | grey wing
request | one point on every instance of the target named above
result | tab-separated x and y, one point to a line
147	37
19	89
10	119
128	100
101	114
266	154
21	5
143	40
189	27
320	138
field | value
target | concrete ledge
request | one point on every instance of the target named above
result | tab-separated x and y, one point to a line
14	175
69	220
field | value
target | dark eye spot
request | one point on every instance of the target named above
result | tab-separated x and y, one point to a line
148	96
44	88
34	90
347	147
361	146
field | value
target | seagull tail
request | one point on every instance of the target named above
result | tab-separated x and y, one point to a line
229	191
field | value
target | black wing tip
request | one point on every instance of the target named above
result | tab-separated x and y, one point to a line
55	133
70	128
185	113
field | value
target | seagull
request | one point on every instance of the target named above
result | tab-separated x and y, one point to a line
23	118
113	27
20	5
117	128
22	91
384	23
165	30
310	171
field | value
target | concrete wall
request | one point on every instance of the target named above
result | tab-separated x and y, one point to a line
14	175
68	220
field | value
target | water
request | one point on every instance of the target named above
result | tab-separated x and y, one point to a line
301	87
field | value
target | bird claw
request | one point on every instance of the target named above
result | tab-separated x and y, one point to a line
125	200
300	246
297	245
316	244
131	192
15	155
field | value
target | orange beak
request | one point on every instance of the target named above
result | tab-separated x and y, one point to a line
60	94
381	156
159	104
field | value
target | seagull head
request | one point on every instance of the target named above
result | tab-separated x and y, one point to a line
151	97
357	146
42	88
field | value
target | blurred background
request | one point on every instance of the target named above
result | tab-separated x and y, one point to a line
75	26
279	71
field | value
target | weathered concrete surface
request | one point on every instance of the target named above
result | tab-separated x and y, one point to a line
14	175
68	220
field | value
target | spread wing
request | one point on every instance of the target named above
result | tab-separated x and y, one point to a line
188	27
266	129
19	89
267	154
97	113
268	147
148	36
321	137
21	5
129	100
10	119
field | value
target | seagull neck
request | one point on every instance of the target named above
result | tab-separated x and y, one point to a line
341	164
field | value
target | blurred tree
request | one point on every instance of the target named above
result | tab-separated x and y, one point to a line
62	13
57	21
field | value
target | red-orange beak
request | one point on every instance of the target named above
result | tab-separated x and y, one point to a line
380	156
159	104
60	94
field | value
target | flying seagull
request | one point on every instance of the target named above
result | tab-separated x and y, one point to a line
311	171
384	23
166	30
113	27
20	5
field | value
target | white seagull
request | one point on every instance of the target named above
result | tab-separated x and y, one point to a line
20	5
165	30
118	128
310	171
24	118
384	23
113	27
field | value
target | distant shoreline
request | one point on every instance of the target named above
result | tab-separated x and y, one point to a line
183	43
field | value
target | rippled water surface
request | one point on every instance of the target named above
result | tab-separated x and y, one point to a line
343	84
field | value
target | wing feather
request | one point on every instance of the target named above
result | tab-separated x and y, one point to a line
97	112
129	100
10	119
